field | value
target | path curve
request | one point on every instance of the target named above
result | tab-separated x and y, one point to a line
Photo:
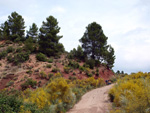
95	101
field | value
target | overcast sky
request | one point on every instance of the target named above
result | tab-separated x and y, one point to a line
126	23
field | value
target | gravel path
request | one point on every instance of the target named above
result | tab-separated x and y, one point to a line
95	101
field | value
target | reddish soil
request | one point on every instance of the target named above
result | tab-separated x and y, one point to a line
32	69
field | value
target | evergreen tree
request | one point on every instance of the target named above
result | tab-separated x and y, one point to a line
94	41
49	40
4	31
16	26
94	44
33	32
109	57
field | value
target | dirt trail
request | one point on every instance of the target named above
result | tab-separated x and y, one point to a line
95	101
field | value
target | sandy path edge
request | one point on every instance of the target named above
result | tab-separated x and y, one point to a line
94	101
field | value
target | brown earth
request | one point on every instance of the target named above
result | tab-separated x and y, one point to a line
95	101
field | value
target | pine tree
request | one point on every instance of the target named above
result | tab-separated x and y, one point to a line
33	32
94	41
94	44
109	57
49	40
16	26
4	31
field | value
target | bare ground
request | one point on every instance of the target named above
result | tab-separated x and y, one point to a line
95	101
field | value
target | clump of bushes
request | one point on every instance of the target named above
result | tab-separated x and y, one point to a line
48	65
91	63
28	82
66	70
81	68
9	103
73	64
10	49
3	54
55	70
131	94
50	60
43	75
41	57
18	58
11	82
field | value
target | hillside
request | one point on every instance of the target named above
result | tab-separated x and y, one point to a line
12	75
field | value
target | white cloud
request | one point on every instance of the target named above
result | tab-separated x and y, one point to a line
58	9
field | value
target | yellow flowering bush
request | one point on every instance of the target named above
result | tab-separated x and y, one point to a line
59	94
132	93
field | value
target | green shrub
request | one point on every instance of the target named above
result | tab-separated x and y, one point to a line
10	58
10	83
20	49
43	74
89	74
81	68
9	103
50	60
73	64
41	57
50	75
29	72
28	83
10	49
20	57
93	72
72	78
97	72
55	70
8	42
48	65
91	63
66	69
3	54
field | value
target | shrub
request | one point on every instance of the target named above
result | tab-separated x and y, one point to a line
81	68
131	93
55	70
41	57
50	75
8	42
97	72
11	82
10	49
43	74
3	54
50	60
72	77
28	83
20	57
89	74
9	103
48	65
91	63
66	69
73	64
29	72
20	49
93	72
